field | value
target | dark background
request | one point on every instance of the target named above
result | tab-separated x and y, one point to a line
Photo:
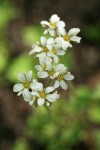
74	122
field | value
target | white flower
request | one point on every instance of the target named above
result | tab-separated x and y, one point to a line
44	95
61	75
53	25
24	85
44	62
35	48
29	97
65	38
42	48
48	72
55	52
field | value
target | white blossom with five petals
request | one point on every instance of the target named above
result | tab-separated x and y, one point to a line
64	39
25	83
45	95
62	76
53	25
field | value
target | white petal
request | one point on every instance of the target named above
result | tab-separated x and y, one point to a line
56	85
44	23
63	69
58	67
54	18
52	32
46	31
49	47
42	74
61	52
27	95
42	60
48	66
35	93
50	41
31	102
36	86
56	59
31	52
61	24
40	101
43	40
38	67
21	77
47	104
38	49
29	75
18	87
75	39
62	31
53	97
55	75
65	45
33	86
73	31
39	86
59	40
63	84
43	54
68	77
49	89
19	93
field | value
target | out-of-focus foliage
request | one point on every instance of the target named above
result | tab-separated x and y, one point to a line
23	63
32	34
66	124
92	33
74	119
3	56
7	12
21	145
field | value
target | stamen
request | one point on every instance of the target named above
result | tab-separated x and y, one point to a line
46	49
66	37
26	84
53	25
42	94
51	73
43	67
54	51
60	77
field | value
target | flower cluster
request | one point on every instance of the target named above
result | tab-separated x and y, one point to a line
48	51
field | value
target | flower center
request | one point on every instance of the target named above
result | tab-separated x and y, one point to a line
26	84
54	51
46	49
43	67
42	94
53	25
60	77
66	37
51	73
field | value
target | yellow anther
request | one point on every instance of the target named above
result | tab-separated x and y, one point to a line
51	73
45	49
26	84
43	67
54	51
42	94
66	37
60	77
53	25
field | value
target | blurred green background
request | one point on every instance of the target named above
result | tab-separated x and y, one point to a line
73	123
